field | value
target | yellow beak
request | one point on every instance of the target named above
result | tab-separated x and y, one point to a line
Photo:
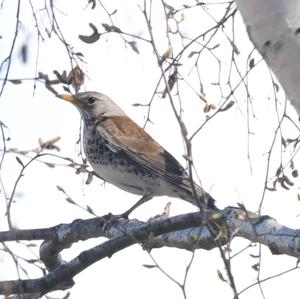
68	97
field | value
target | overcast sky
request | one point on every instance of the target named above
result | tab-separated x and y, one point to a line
220	149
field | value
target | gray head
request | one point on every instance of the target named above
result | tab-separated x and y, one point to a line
93	104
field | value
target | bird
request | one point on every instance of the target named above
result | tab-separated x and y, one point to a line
124	154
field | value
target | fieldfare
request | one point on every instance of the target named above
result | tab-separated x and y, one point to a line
123	154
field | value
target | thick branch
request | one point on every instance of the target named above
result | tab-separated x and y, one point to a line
183	231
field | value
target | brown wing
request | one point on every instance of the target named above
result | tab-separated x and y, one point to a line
124	134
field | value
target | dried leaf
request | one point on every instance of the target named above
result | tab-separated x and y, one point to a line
295	173
65	88
192	54
220	275
149	266
166	55
70	200
235	48
50	165
134	47
24	53
76	78
171	82
188	158
89	178
32	261
15	81
111	28
90	210
91	38
61	77
228	106
206	108
287	180
183	128
79	54
278	171
255	267
61	189
19	161
93	3
113	13
251	63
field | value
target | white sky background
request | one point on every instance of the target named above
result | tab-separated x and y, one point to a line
220	150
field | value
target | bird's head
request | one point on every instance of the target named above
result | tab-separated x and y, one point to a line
93	104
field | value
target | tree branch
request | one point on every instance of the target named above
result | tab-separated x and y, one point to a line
183	231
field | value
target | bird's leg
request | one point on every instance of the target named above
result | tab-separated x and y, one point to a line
144	199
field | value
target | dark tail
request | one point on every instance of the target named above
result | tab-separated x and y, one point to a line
210	202
204	199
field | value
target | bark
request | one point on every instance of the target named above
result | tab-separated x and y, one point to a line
274	28
189	231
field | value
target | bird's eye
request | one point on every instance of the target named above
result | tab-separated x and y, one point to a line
91	100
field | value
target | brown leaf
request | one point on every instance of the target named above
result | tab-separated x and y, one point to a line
24	53
166	55
19	161
188	158
192	54
228	106
70	200
111	28
90	210
183	128
206	108
171	82
76	78
89	178
295	173
288	181
235	48
93	3
91	38
220	275
251	63
15	81
61	189
149	266
255	266
134	47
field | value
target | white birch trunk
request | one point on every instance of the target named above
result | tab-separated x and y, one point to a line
274	28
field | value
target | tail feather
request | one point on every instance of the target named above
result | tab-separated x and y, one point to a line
197	196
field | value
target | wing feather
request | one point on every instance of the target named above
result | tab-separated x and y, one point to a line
125	135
